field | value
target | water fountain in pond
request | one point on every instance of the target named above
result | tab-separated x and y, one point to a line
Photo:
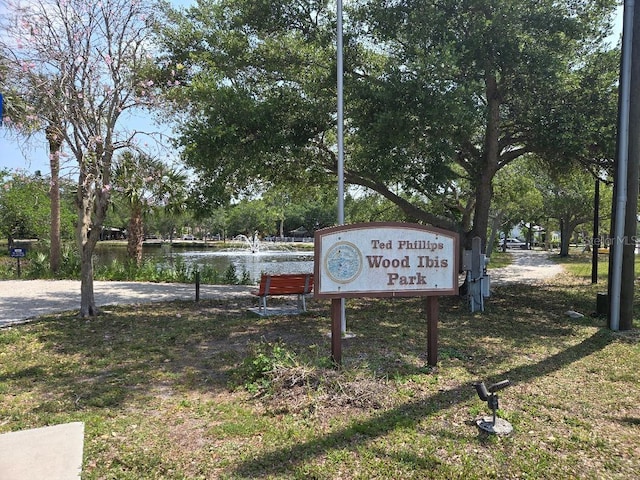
253	244
246	253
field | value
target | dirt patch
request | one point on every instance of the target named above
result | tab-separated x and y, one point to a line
303	390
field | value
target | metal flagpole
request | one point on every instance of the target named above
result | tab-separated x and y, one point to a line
343	321
623	153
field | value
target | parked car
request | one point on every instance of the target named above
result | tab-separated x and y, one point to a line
188	237
513	243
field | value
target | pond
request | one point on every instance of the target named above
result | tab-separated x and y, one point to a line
275	259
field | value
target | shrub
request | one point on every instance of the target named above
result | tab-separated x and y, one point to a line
230	275
260	366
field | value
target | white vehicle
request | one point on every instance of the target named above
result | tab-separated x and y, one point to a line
188	237
513	243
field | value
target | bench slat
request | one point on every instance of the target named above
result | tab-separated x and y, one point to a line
285	284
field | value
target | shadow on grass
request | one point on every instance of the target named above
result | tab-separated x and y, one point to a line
126	352
138	351
132	351
407	415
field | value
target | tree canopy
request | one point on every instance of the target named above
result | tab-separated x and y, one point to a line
439	96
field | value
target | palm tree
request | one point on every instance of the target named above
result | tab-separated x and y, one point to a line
54	138
21	116
145	183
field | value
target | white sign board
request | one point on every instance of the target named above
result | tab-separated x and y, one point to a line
385	259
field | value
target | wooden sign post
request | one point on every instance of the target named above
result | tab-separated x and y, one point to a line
433	307
336	331
385	259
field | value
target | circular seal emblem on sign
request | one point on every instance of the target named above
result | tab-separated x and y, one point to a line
343	262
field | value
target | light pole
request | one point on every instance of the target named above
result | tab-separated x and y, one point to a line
620	203
340	64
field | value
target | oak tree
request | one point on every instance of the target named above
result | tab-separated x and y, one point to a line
439	96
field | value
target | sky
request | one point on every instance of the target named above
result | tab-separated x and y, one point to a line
31	155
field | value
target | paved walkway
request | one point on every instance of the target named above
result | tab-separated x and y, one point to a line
22	300
47	453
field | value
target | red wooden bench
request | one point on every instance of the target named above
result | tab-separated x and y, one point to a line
299	284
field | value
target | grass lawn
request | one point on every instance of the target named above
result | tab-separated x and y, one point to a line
206	390
499	259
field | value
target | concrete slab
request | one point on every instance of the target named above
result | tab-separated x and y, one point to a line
271	311
48	453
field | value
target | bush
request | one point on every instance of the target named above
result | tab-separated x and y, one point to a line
70	263
38	266
230	275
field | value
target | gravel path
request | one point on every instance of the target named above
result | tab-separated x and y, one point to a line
22	300
529	266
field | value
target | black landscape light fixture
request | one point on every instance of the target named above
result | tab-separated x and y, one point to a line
492	424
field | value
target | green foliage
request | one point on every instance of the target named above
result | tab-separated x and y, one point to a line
24	206
38	266
516	197
277	210
231	275
248	216
371	208
245	278
70	261
441	96
262	362
150	271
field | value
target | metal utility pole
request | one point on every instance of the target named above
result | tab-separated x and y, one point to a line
633	170
340	72
595	243
620	201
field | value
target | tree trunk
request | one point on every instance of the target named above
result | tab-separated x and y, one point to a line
92	200
88	306
565	237
86	238
488	167
55	144
483	195
135	234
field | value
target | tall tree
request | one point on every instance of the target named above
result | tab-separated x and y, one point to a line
19	117
81	60
54	138
438	95
494	81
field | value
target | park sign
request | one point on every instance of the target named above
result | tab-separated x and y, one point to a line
15	252
385	259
